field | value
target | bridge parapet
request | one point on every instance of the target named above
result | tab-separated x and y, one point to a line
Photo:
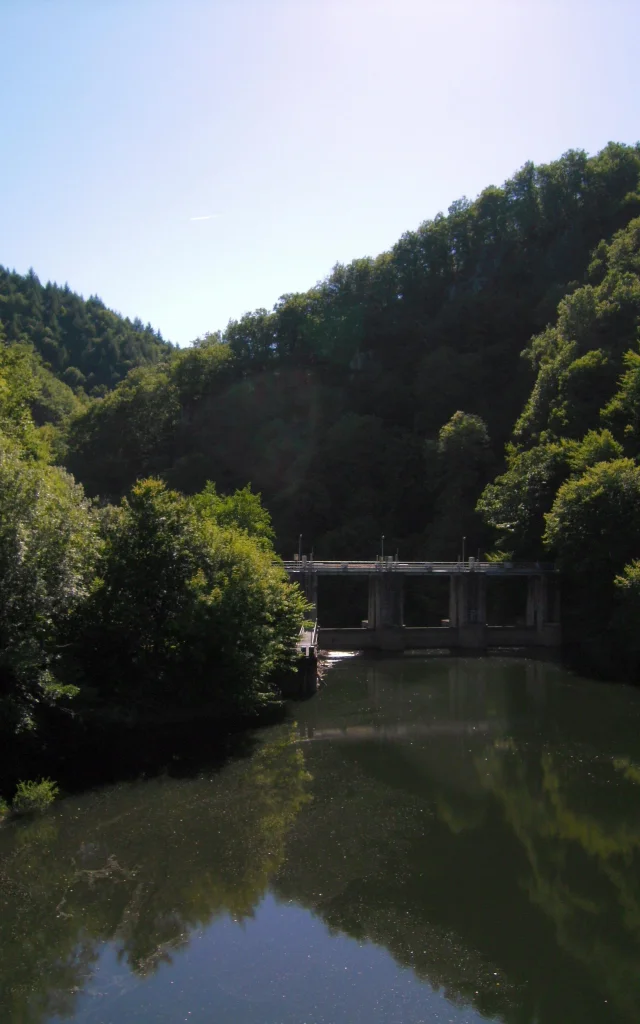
333	567
461	638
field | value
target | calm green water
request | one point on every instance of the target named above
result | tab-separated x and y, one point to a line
432	840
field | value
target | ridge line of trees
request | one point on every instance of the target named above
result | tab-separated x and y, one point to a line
390	398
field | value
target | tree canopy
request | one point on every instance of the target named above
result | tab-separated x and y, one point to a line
567	486
81	341
390	398
328	403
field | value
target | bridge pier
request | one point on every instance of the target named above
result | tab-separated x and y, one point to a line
310	588
386	600
537	602
467	600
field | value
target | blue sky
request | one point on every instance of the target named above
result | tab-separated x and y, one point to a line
306	133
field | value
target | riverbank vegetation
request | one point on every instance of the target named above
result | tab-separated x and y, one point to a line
160	607
572	480
480	379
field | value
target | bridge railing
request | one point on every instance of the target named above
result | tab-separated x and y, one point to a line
308	640
361	566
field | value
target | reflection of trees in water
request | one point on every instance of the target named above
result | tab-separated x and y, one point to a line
584	860
371	859
497	869
491	862
139	865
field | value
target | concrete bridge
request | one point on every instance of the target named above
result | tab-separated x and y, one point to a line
466	627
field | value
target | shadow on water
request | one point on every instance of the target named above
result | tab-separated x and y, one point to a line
140	865
104	751
476	818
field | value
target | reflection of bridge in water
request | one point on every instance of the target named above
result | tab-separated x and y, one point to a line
441	716
365	732
466	627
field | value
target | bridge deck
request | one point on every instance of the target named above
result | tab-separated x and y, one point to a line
369	568
308	642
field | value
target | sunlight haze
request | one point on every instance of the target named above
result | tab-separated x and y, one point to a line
191	161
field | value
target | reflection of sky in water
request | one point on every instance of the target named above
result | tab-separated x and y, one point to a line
281	967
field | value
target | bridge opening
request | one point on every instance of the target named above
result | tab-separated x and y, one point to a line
343	601
507	601
426	600
553	599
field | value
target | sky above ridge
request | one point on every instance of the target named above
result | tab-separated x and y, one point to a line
190	160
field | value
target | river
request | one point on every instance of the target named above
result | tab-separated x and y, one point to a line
426	840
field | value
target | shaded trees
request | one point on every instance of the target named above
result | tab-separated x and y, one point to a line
326	401
333	403
566	487
462	466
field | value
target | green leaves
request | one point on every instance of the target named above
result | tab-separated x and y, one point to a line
191	609
49	545
72	334
514	505
593	527
242	510
164	600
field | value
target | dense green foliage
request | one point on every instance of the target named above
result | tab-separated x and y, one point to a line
162	606
379	402
332	403
34	796
567	488
188	610
81	341
49	545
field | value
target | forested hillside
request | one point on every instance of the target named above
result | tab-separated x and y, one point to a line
380	400
160	606
81	341
572	484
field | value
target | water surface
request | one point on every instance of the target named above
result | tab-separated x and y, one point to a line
431	840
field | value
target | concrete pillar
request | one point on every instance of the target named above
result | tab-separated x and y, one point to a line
458	599
372	607
537	611
468	608
386	599
309	584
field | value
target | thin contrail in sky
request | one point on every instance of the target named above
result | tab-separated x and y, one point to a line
208	216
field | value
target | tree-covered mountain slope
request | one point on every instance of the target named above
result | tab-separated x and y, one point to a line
81	341
572	483
118	606
380	400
